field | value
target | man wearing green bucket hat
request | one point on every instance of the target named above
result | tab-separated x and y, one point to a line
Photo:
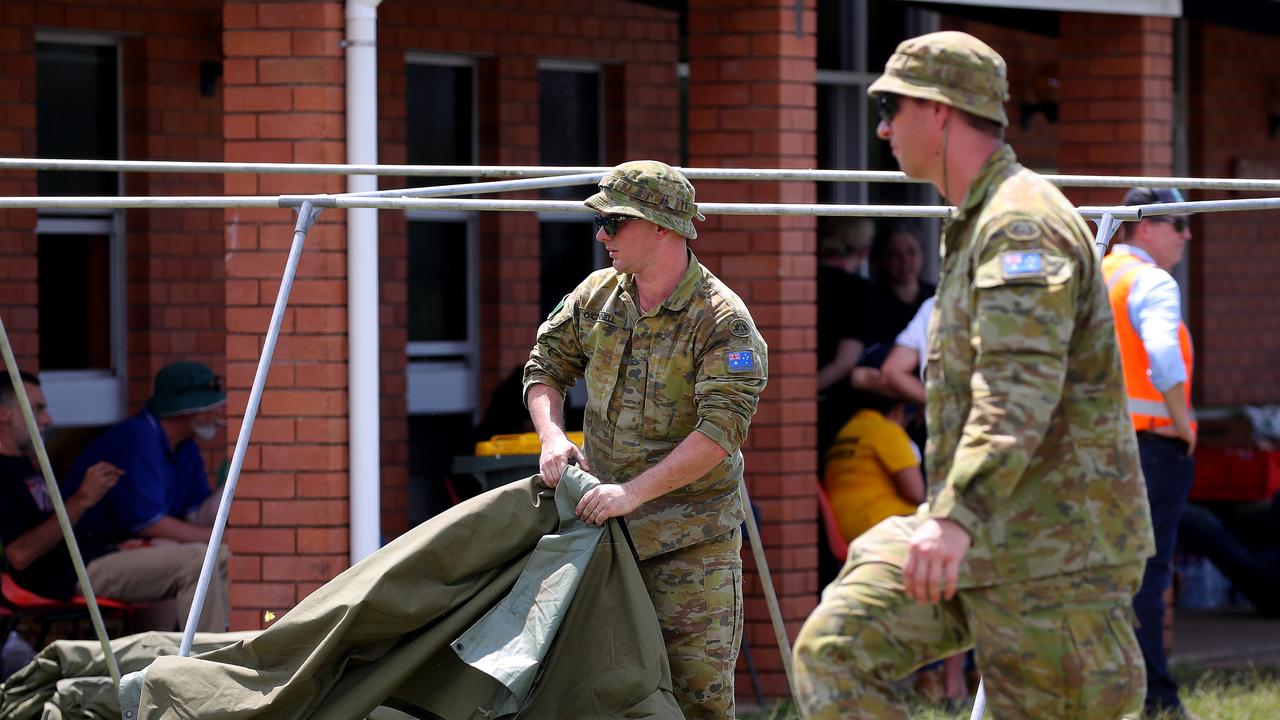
1032	540
674	367
163	495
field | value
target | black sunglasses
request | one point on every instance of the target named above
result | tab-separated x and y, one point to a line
887	105
610	223
1180	224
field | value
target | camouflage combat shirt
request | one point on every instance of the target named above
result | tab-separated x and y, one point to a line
1030	442
694	362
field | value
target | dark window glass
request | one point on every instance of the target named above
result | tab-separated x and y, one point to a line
568	256
438	118
887	24
569	124
434	440
74	311
438	275
77	111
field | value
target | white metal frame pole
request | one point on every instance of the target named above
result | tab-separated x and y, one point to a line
306	218
364	421
59	508
766	583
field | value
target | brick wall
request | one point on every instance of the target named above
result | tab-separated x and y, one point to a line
175	256
1117	98
18	265
1234	257
752	104
284	103
1033	69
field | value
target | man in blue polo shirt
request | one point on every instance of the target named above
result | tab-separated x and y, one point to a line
164	492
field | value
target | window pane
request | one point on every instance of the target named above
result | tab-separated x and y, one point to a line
434	440
568	256
75	301
76	115
438	273
438	117
569	124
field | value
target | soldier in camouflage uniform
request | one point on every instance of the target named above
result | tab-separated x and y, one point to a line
674	367
1033	537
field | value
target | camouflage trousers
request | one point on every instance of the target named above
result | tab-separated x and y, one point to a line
697	593
1056	647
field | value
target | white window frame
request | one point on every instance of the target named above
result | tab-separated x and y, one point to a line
853	40
93	397
442	377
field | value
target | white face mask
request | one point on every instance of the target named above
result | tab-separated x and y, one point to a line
204	431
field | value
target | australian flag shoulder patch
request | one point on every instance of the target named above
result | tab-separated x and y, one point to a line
1021	264
740	360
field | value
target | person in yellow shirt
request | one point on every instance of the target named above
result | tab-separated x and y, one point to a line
872	470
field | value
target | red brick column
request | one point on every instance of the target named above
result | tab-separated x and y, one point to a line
1117	98
508	101
18	271
284	77
752	104
175	258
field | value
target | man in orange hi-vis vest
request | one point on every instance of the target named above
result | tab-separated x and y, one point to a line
1155	349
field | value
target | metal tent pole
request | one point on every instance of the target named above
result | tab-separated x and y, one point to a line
1107	226
59	508
307	215
766	581
979	701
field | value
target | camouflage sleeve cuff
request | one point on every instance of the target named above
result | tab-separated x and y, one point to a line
717	435
535	377
947	507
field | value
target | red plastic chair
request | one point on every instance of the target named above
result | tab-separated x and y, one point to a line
18	603
836	543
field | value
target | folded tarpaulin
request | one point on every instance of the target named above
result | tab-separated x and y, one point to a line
69	680
551	613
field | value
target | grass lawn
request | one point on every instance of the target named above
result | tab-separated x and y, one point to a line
1246	693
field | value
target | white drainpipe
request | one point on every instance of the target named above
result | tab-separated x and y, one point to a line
363	423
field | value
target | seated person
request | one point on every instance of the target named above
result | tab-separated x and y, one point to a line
34	549
843	248
897	289
901	375
872	469
1243	541
164	492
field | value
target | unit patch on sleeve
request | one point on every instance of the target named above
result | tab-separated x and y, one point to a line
740	327
740	360
1022	230
1021	264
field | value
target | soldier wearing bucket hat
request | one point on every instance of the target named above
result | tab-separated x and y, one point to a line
1031	542
674	367
164	491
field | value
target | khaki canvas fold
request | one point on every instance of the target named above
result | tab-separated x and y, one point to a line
68	680
383	631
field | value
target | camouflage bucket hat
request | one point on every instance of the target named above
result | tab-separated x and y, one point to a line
952	68
649	190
